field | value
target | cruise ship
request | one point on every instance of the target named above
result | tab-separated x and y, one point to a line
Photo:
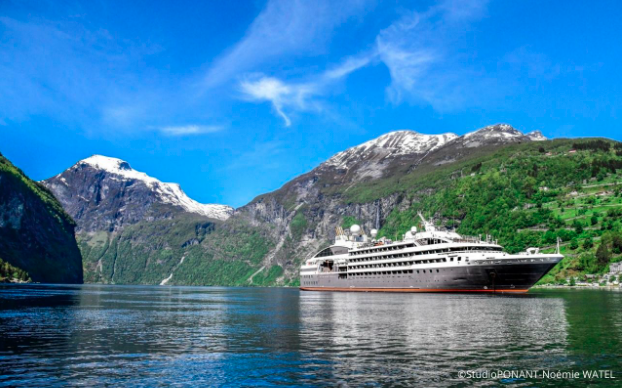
430	260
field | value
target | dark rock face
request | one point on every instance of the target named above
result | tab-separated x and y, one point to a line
105	194
36	235
100	201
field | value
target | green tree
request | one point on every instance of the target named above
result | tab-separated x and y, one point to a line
587	262
587	243
617	243
603	255
579	228
573	245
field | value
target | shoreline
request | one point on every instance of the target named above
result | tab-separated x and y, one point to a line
579	287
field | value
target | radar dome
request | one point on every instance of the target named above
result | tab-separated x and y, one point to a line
374	232
413	230
354	229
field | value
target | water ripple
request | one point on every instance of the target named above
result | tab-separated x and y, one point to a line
189	336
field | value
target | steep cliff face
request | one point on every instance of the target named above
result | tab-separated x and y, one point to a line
36	235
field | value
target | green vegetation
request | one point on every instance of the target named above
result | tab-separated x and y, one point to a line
525	197
52	206
195	250
36	234
10	273
298	226
268	277
348	221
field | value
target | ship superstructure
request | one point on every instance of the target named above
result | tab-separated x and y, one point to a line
429	260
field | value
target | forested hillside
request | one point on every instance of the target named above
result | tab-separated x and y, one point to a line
527	196
36	235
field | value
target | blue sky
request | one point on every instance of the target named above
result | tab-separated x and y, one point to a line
233	99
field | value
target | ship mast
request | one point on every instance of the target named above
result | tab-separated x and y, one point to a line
429	226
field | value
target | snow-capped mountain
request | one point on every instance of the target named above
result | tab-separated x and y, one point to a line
392	144
170	193
103	193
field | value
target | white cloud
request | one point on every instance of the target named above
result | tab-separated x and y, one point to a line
182	130
417	49
283	27
350	65
280	94
298	96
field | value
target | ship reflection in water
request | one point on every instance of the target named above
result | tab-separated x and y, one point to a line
194	336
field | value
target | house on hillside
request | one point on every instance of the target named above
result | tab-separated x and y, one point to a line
572	151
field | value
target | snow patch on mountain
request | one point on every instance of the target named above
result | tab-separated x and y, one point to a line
494	131
536	136
169	193
392	144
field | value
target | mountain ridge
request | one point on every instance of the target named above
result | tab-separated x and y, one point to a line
101	182
264	241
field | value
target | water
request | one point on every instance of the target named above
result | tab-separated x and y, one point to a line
96	335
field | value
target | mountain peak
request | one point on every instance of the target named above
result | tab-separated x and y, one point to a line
536	136
497	130
106	163
169	193
396	143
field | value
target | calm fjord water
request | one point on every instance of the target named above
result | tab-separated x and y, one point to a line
202	336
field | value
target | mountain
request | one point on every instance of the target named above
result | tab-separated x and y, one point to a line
36	235
131	228
103	193
495	180
519	188
365	183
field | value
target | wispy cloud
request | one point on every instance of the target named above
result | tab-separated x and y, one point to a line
350	65
182	130
418	50
283	27
298	96
279	93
